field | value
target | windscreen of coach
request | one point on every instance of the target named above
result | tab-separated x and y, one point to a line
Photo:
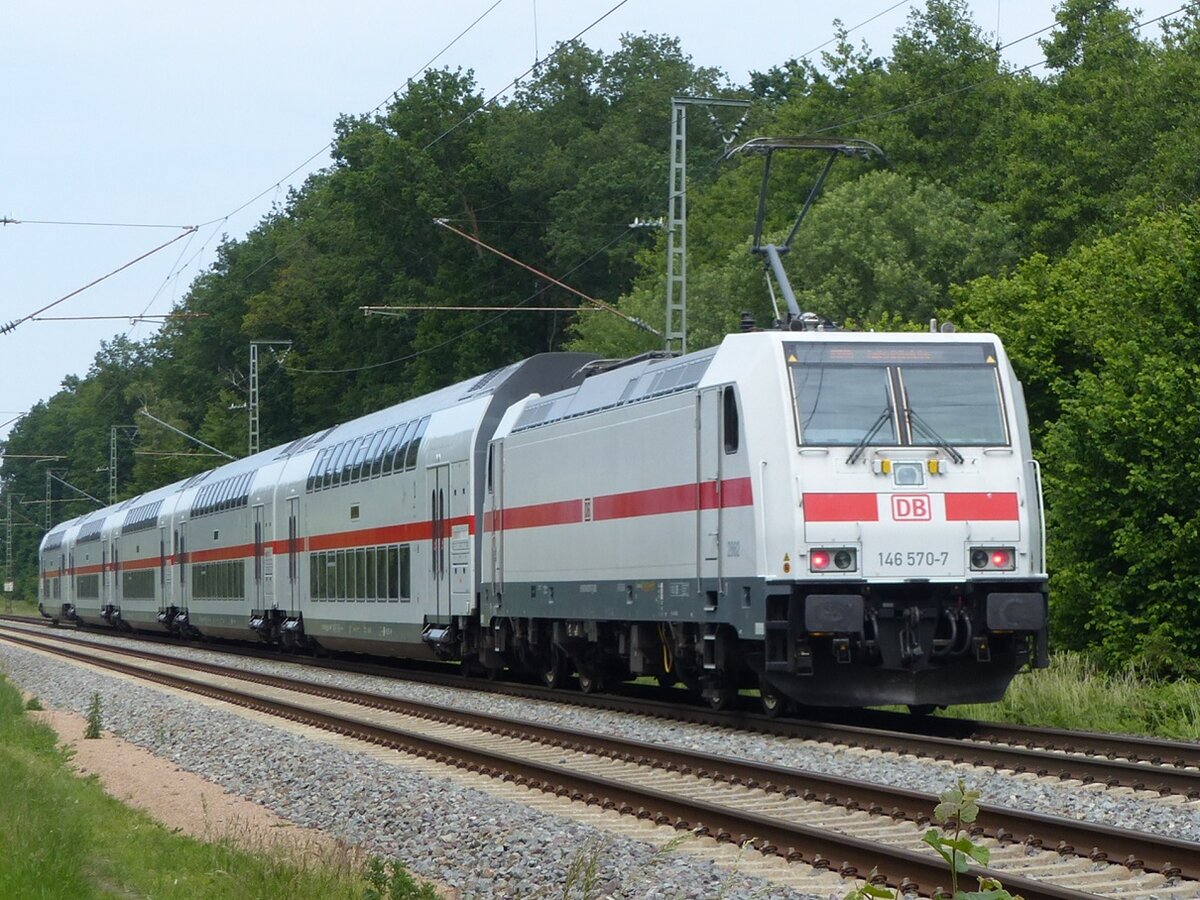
878	394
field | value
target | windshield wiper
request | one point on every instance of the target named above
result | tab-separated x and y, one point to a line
938	440
866	438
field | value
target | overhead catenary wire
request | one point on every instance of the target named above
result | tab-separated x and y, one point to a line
625	232
375	109
500	93
600	304
12	325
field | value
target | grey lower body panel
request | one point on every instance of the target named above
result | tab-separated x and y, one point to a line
825	643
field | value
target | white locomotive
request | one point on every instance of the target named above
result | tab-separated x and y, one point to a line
833	518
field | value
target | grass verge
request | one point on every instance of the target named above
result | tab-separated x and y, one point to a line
62	836
1074	693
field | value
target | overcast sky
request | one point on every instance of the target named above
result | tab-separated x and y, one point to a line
176	114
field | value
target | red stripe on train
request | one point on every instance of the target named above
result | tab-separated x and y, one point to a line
627	505
990	506
841	508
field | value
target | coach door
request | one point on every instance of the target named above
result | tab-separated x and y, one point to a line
258	558
181	557
293	552
439	494
114	564
708	501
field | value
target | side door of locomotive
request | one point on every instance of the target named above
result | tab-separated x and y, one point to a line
495	527
709	460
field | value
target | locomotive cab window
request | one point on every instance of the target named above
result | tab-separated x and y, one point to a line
729	411
884	394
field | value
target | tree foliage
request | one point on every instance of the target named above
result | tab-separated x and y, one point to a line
1109	341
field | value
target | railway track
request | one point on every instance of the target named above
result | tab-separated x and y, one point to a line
823	821
1141	764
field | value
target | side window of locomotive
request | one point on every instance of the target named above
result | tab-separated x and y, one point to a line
960	405
843	405
729	411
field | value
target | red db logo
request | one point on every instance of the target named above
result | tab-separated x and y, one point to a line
911	508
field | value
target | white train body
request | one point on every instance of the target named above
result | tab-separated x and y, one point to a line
843	519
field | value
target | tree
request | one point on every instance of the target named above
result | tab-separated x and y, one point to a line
1107	342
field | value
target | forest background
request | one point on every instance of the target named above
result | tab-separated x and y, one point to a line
1058	209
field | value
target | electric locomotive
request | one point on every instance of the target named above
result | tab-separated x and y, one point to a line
837	519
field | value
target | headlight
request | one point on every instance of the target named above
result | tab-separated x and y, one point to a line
994	559
833	559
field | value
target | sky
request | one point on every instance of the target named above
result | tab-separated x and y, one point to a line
136	114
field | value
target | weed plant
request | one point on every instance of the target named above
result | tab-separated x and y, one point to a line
391	880
95	724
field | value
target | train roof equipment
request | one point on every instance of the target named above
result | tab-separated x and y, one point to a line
773	253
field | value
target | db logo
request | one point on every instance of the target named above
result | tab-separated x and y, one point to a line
911	508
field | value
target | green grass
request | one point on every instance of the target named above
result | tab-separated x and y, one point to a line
62	836
1075	693
9	606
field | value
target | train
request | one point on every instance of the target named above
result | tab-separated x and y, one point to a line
828	518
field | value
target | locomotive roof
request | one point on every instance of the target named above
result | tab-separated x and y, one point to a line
618	387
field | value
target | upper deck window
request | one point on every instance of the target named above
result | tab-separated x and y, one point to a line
884	394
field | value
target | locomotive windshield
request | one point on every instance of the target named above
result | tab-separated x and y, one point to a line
877	394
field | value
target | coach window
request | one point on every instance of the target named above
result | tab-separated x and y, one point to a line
375	456
410	461
406	572
316	467
348	459
395	455
360	567
326	476
372	589
381	573
730	409
339	582
361	456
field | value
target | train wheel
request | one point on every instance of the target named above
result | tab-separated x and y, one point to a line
720	698
554	671
590	682
774	704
